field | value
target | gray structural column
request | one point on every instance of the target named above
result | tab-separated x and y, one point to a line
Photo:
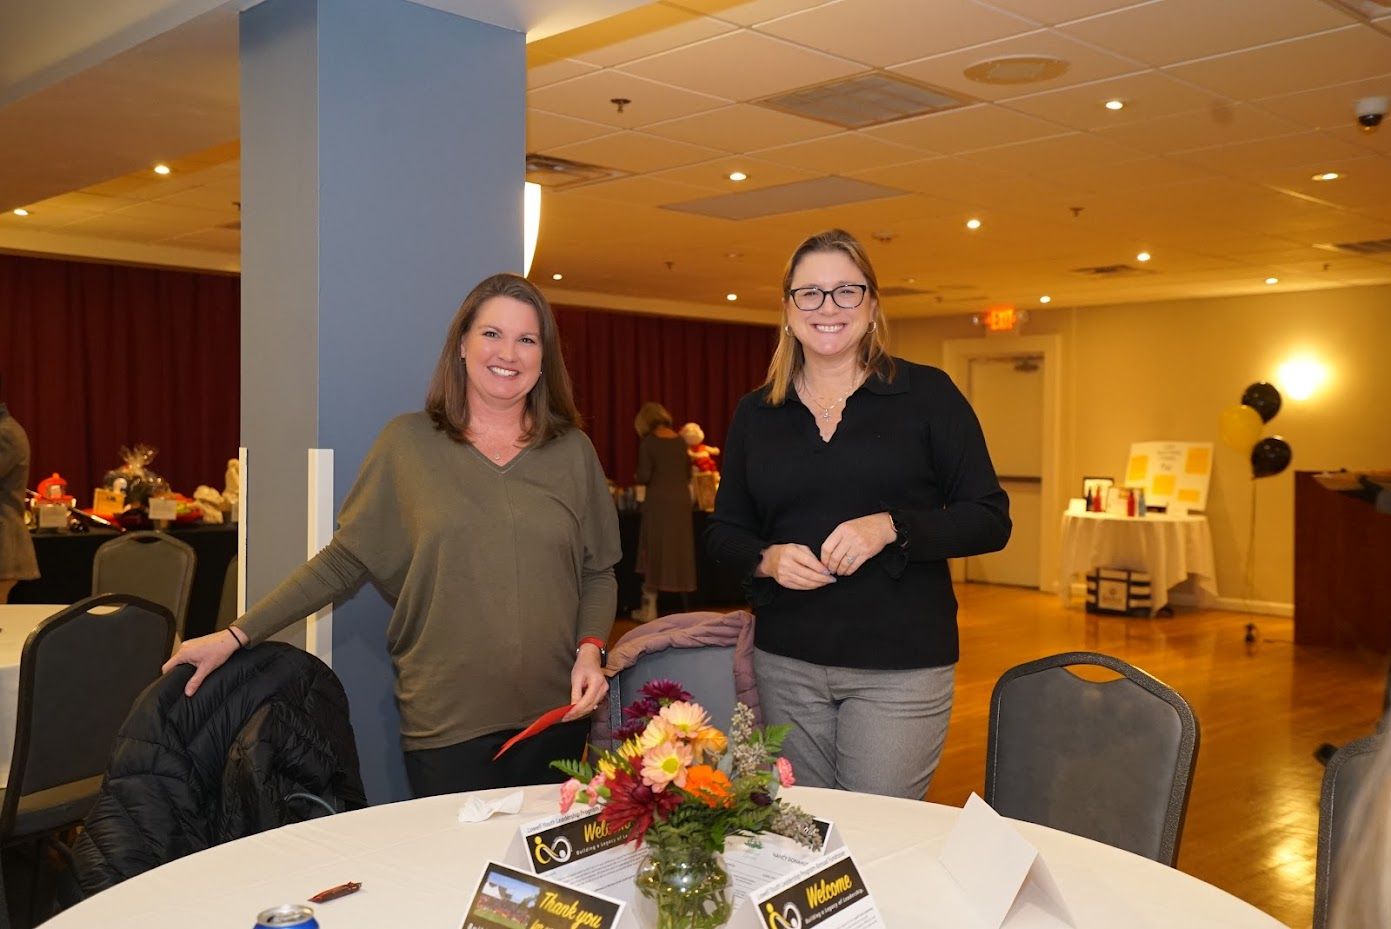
382	171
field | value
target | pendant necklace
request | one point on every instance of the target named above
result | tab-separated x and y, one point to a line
828	409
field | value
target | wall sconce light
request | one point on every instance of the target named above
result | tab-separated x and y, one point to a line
1300	378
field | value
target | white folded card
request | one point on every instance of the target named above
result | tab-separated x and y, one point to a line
1000	873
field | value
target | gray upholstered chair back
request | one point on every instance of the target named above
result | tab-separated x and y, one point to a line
707	673
1111	761
227	602
1343	780
151	565
79	675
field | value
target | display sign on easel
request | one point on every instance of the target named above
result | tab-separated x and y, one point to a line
1171	472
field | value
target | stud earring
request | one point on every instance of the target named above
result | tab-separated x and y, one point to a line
786	328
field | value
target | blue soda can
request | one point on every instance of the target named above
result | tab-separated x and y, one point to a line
294	915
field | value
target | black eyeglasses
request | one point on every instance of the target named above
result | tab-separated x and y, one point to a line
845	296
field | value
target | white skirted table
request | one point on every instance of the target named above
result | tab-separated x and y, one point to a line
17	620
418	866
1170	549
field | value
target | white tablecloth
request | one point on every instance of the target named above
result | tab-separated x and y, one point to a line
1168	548
17	620
419	866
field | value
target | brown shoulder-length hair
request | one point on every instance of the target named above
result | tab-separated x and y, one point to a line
550	405
650	416
788	358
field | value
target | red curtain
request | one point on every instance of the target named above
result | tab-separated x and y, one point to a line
97	356
696	369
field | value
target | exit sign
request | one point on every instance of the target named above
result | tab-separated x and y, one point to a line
1000	318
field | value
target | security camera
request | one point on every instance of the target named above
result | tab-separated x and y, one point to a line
1370	112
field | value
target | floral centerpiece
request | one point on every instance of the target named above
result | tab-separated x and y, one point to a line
682	787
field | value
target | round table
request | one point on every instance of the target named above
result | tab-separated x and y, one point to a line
1168	548
17	620
419	867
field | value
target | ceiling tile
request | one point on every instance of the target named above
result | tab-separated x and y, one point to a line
974	127
1085	64
742	127
1283	152
1057	156
888	32
635	33
743	65
1363	187
747	13
216	240
1336	57
1221	124
839	154
588	98
542	69
714	175
1147	95
1168	31
1052	12
646	191
1331	107
635	152
545	131
954	180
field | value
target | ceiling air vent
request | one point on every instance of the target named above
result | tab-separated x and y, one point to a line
898	290
558	172
1369	247
865	100
1121	270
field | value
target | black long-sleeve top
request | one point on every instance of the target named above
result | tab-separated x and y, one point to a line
911	447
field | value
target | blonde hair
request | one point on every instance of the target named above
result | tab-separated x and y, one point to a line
651	416
550	404
788	357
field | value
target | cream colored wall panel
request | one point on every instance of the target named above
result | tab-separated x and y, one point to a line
1148	94
588	98
743	65
1221	125
964	130
887	32
1336	57
743	128
1084	64
839	154
1170	31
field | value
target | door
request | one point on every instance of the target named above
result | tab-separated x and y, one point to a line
1007	394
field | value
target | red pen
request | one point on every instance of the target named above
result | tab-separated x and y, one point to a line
333	893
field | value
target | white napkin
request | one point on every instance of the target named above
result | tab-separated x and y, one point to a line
476	809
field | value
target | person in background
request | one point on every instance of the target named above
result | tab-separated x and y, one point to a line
1361	896
487	520
17	561
666	547
850	477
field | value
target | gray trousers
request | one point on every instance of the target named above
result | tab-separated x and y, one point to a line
877	732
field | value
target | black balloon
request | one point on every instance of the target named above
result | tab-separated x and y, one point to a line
1263	398
1270	456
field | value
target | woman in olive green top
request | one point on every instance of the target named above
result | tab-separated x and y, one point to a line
488	520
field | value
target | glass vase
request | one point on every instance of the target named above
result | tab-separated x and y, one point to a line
682	886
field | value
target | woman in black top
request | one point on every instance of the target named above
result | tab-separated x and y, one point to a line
850	478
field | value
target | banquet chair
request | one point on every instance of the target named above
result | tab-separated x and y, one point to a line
227	602
79	674
1111	761
1344	777
152	565
707	673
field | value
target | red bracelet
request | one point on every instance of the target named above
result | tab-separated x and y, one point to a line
593	640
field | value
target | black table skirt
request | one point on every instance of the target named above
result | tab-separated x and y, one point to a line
65	569
716	586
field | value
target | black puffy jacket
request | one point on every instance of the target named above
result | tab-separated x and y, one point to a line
189	773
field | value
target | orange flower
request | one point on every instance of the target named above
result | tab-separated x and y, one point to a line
708	785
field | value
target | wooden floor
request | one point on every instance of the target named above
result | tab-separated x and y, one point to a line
1262	710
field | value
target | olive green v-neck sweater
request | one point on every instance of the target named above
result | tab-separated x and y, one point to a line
496	573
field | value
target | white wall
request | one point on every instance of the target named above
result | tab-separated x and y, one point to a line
1152	371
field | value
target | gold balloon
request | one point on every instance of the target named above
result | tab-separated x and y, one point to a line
1240	427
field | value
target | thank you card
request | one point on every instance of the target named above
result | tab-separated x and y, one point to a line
510	898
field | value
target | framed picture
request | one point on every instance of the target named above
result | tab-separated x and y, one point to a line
1096	485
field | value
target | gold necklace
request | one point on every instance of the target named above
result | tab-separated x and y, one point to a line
828	409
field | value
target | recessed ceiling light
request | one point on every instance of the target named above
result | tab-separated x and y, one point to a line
557	276
1272	280
1045	299
21	212
972	224
738	176
731	297
1327	176
161	169
1114	104
1143	256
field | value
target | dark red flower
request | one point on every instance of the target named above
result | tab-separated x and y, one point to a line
664	690
643	709
633	802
